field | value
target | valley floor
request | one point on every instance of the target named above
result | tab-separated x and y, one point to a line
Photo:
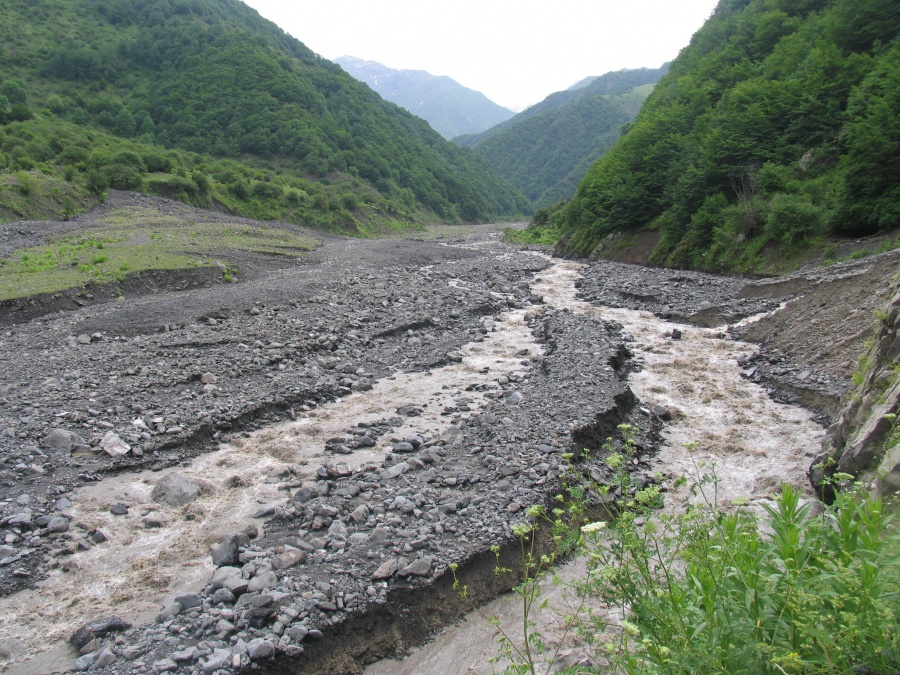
367	414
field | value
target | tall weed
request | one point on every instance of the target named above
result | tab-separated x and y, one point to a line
705	588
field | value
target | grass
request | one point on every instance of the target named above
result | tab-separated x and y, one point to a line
133	241
32	195
713	588
540	236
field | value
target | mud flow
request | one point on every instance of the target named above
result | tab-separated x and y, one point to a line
721	424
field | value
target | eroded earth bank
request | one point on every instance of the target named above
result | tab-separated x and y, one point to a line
276	474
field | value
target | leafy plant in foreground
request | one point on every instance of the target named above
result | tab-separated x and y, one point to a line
707	588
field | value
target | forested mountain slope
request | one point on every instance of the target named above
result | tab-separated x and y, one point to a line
545	150
98	88
778	124
613	83
450	108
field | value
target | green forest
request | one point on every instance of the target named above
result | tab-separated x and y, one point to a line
205	101
778	126
546	155
547	148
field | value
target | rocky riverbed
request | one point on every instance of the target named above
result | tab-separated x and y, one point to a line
277	473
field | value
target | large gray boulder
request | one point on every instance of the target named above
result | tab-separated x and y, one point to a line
61	440
175	491
97	629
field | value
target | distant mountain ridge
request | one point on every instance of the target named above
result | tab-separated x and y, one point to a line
545	150
450	108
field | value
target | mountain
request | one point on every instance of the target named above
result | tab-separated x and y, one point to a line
613	83
207	101
545	150
777	126
450	108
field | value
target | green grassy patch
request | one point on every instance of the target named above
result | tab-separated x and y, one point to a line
541	236
135	240
32	195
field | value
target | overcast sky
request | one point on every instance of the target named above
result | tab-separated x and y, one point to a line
515	52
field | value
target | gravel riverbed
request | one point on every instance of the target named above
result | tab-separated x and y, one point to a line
277	473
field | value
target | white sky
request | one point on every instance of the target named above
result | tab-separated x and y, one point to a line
516	52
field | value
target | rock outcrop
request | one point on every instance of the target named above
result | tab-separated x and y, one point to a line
864	440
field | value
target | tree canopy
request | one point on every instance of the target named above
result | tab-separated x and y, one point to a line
779	123
214	78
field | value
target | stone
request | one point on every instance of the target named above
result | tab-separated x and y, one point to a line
104	658
262	582
216	662
265	511
403	447
188	600
259	648
182	655
360	514
58	524
151	522
208	378
223	595
114	446
223	574
386	570
662	413
170	610
237	586
228	550
83	663
288	559
61	440
304	494
297	633
118	510
420	567
175	491
96	629
395	471
225	626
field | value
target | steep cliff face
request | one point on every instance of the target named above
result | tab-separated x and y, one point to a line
864	440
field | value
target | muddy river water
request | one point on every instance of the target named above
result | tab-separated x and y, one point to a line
754	444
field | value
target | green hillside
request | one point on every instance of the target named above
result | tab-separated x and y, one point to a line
547	154
613	83
545	150
206	101
778	125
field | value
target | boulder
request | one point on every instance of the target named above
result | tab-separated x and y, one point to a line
228	550
175	491
114	446
97	629
65	441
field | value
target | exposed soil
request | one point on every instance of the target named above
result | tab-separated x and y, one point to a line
265	386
